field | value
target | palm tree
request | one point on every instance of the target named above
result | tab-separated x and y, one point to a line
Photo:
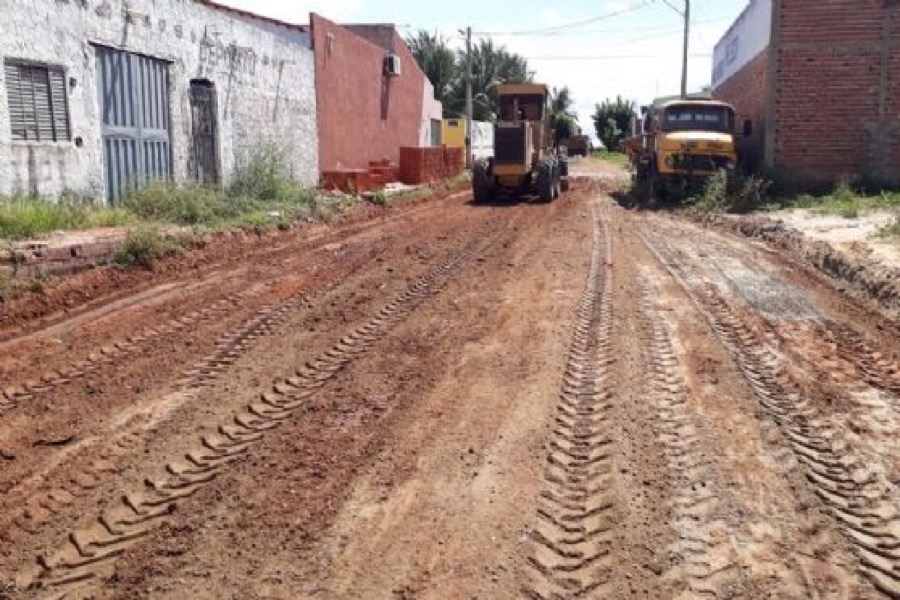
561	102
491	66
438	62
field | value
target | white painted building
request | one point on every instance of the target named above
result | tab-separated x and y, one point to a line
432	114
95	94
745	39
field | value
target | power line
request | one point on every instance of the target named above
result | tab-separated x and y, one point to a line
565	26
630	29
612	57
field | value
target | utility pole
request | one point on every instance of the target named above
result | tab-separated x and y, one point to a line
468	97
684	60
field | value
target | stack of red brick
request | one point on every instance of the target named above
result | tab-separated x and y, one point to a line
379	174
428	165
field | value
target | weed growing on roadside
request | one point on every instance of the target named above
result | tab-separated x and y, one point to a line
380	198
845	201
891	230
23	217
144	246
732	193
714	197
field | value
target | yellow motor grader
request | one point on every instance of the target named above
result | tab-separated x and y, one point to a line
525	159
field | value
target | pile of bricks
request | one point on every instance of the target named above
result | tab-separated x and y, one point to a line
428	165
71	252
359	181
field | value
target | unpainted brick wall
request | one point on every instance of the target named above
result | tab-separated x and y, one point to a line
835	87
428	165
746	91
837	104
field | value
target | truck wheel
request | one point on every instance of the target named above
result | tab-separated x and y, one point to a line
481	182
545	181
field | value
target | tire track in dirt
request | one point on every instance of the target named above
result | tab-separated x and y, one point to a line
571	543
92	551
861	504
877	369
264	250
115	352
42	505
709	565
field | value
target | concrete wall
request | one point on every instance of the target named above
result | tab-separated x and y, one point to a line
363	114
263	73
837	105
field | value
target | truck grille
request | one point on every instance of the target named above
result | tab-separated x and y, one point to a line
699	162
509	144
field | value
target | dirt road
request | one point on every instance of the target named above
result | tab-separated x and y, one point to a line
563	400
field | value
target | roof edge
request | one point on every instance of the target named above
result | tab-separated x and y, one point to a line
251	15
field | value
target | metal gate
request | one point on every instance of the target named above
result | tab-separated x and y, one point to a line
204	164
134	108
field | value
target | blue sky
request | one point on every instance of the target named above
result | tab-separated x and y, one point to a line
631	48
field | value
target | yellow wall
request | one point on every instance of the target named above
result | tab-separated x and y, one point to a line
454	136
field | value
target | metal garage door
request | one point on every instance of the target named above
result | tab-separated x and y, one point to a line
134	105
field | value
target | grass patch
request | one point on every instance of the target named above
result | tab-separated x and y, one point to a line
261	195
891	230
845	201
24	217
617	158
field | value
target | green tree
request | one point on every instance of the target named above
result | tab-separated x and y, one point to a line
561	114
491	66
561	102
612	120
438	61
563	128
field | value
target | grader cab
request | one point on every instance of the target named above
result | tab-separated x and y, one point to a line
525	160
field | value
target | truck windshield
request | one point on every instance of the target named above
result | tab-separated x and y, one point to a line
702	118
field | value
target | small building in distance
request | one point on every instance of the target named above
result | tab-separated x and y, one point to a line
821	82
372	97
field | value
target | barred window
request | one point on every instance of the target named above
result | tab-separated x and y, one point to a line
38	104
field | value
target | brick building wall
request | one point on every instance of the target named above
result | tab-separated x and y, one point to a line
837	101
746	91
363	114
262	72
829	84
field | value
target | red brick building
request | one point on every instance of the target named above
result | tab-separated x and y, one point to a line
366	110
821	81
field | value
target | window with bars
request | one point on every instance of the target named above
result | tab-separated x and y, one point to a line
38	104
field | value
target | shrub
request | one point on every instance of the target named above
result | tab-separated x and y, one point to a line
142	247
380	198
733	194
264	176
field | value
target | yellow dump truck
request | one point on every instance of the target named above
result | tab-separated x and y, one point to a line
681	143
